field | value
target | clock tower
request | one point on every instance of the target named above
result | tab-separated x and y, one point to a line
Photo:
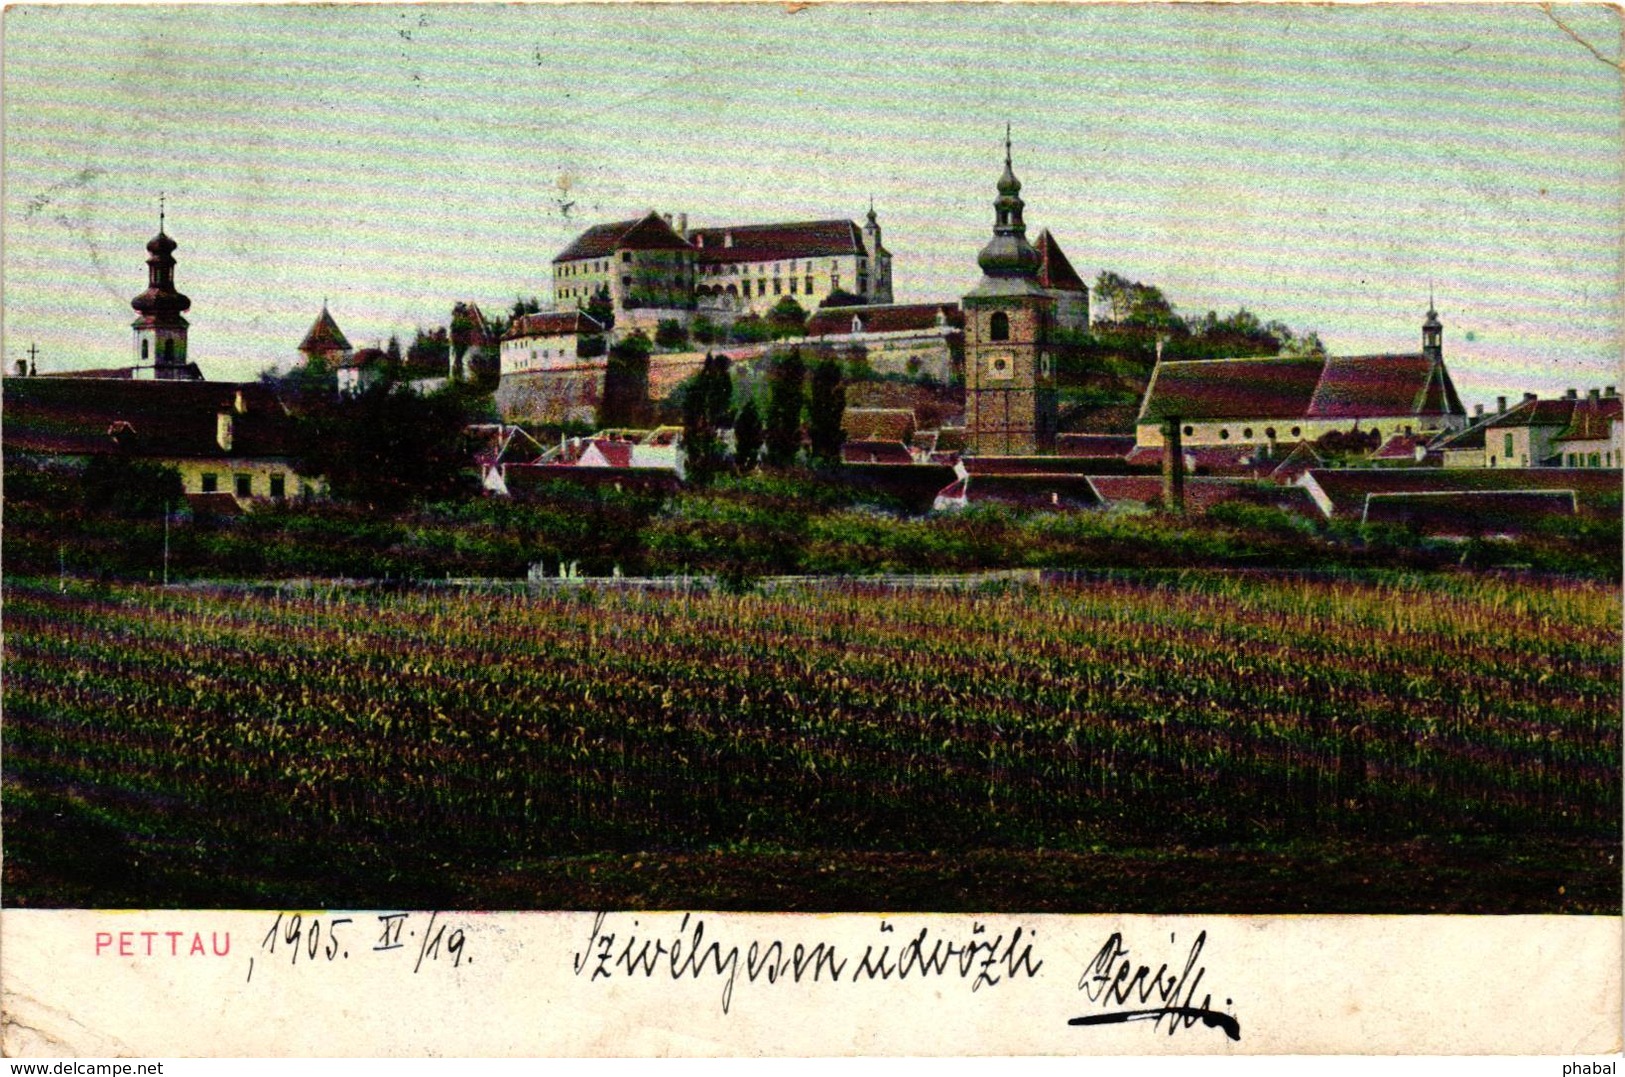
1010	405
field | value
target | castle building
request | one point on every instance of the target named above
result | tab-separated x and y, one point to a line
160	331
652	267
1010	402
547	341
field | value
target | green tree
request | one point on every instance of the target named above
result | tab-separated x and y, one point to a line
786	396
388	446
430	353
134	489
704	457
824	412
747	437
522	307
841	298
602	309
705	331
626	383
670	334
787	318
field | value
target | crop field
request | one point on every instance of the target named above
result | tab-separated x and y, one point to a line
1204	743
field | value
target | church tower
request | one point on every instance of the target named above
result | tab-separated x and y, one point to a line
160	331
1433	332
1010	405
879	290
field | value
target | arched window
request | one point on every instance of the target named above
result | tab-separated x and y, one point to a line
1248	433
998	328
1224	433
1189	430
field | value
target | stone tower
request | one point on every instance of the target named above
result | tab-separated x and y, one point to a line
160	331
1009	375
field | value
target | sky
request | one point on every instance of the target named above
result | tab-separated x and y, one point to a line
1319	165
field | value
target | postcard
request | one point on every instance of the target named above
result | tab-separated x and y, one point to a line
836	530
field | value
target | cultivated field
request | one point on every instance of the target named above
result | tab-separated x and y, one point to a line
1204	743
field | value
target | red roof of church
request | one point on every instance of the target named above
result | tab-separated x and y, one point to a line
890	318
772	242
63	416
647	233
1300	387
1054	271
553	323
1094	445
1353	387
324	335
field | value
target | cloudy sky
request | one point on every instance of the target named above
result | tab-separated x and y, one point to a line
1319	165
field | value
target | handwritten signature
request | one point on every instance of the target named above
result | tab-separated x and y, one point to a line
1123	989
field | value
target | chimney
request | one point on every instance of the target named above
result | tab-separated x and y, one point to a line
1527	397
1500	404
222	431
1609	392
667	218
727	239
1572	394
682	225
239	403
1478	410
1593	395
21	369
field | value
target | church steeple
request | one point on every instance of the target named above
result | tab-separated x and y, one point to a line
1432	331
160	331
1009	254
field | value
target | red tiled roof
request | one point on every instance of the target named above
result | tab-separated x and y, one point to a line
1093	445
1209	459
1294	387
1592	420
878	424
1347	489
772	242
1469	513
875	452
363	358
890	318
1270	388
324	335
1054	271
1400	447
1028	465
1302	457
90	416
553	323
647	233
1535	413
1354	387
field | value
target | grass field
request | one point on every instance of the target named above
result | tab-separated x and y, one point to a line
1201	744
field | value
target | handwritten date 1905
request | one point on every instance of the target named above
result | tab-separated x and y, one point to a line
323	941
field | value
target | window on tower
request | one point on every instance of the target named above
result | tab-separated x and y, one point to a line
998	327
144	350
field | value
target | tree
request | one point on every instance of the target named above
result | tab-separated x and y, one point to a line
602	309
747	436
750	329
787	318
131	488
522	307
719	391
841	298
785	399
388	446
702	446
626	383
670	334
704	330
430	353
824	412
392	357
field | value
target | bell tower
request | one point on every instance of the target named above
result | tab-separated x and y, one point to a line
160	331
1010	407
1432	332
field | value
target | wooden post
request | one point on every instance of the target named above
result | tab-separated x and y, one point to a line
1173	466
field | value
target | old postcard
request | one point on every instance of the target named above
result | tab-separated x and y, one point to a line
811	530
